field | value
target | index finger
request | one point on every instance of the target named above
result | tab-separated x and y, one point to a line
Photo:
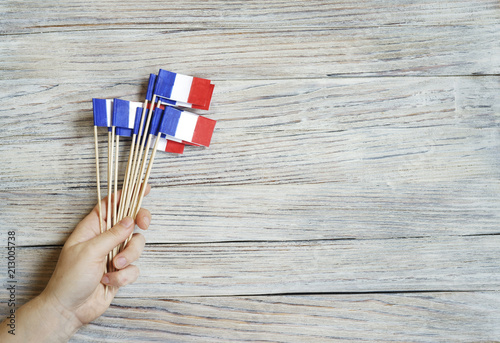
89	227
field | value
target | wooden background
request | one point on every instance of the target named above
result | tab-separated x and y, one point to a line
351	191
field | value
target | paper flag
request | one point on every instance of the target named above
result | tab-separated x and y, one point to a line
184	88
168	145
187	127
124	113
103	111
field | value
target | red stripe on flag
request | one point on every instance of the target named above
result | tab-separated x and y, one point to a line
209	97
174	147
203	131
201	92
161	106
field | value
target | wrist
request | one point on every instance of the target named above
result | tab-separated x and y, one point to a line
42	320
59	323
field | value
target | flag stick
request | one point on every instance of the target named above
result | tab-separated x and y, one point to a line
110	182
99	206
146	177
139	179
111	136
108	211
121	210
116	180
138	176
115	219
126	181
134	169
137	160
144	184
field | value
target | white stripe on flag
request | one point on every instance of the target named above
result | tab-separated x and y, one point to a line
186	126
175	103
132	109
109	111
181	88
184	104
162	144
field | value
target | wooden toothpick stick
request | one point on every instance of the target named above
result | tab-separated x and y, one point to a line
121	209
109	218
116	181
99	207
115	209
134	167
137	177
146	177
98	181
110	180
144	184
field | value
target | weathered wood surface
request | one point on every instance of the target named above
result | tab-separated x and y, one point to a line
356	152
296	154
255	54
436	317
30	16
369	265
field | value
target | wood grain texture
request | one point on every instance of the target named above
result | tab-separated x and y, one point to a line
324	266
187	15
222	54
351	191
357	158
273	213
436	317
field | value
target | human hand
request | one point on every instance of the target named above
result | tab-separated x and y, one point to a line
78	282
75	294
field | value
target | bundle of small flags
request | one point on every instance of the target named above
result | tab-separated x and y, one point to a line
161	122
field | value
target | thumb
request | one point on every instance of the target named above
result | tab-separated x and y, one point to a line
106	241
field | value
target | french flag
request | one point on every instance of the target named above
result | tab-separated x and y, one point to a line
103	112
151	87
169	145
164	144
187	127
168	102
124	113
120	131
184	89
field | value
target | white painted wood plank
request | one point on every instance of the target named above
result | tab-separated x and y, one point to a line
419	317
298	160
272	213
254	268
35	16
317	159
125	55
402	128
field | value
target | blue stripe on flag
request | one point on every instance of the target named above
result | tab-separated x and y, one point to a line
155	122
137	123
170	121
164	83
100	117
151	87
121	113
123	132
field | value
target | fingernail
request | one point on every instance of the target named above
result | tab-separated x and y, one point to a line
147	220
105	280
127	222
120	262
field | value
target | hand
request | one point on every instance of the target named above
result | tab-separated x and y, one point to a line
78	282
75	294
